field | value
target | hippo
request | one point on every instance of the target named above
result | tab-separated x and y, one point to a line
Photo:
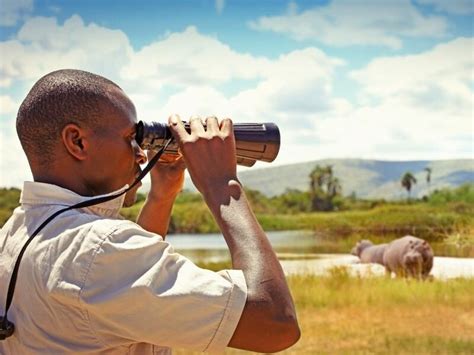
368	252
407	256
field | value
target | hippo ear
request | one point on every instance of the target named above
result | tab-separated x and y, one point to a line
354	249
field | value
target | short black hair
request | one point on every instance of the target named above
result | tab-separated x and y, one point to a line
57	99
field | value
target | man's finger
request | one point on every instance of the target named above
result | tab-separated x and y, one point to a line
227	127
195	122
212	125
177	128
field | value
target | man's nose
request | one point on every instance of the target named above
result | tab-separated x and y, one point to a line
140	155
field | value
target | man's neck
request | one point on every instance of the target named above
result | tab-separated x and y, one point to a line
70	181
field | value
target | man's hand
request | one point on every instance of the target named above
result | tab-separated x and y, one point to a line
167	178
209	152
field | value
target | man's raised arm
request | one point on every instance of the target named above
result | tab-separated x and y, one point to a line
268	322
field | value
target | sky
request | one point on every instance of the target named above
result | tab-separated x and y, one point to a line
371	79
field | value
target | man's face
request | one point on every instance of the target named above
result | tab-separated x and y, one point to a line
115	155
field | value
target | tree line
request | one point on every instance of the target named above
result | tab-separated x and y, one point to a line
326	190
324	193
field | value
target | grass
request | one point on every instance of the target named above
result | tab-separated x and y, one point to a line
343	314
426	221
458	242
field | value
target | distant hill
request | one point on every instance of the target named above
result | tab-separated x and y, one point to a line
365	178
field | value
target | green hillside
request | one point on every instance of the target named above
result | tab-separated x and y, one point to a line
366	178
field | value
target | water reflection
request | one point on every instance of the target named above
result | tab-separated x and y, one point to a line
213	248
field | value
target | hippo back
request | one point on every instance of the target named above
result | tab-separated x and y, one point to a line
373	254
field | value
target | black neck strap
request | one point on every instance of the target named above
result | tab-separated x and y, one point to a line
6	327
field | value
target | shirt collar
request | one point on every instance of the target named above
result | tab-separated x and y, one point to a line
38	193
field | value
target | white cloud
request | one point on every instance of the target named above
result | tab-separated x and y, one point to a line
7	105
42	45
440	79
296	85
291	86
292	8
55	9
220	4
421	108
458	7
394	130
14	167
190	58
202	101
343	23
12	11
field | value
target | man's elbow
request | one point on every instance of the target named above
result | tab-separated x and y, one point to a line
281	327
286	334
267	332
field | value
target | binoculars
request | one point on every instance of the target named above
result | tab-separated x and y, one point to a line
253	141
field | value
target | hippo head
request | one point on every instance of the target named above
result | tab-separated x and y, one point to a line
413	263
412	257
361	245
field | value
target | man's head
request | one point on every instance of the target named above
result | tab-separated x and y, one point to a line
77	130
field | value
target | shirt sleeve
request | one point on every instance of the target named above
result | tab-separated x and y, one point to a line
137	289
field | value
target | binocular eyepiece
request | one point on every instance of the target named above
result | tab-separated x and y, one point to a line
253	141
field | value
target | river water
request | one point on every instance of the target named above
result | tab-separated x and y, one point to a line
294	250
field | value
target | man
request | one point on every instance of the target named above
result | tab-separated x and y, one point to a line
94	283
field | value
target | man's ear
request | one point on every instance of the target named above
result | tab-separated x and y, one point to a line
74	141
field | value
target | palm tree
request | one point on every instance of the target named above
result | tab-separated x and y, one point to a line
323	188
317	178
334	187
408	180
428	177
428	174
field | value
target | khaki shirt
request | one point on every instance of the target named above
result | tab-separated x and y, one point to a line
93	283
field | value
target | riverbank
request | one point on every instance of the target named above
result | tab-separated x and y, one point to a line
443	267
449	228
300	248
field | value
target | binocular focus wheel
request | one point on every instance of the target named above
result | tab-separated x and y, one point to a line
6	329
